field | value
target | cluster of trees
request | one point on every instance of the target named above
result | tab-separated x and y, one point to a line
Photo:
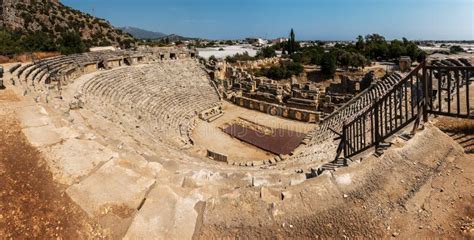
349	59
265	52
329	59
375	47
239	57
354	56
12	43
283	71
328	65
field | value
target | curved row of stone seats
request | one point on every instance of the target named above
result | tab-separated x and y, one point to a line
39	69
21	69
48	65
42	69
14	68
163	98
451	62
452	78
53	66
35	77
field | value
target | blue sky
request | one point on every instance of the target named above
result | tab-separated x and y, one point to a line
311	19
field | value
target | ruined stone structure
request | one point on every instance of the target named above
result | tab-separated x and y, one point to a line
277	110
259	63
289	101
211	114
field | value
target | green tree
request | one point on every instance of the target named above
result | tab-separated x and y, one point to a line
376	46
71	43
328	65
359	61
126	43
294	68
360	43
266	52
292	44
9	43
397	49
239	57
282	71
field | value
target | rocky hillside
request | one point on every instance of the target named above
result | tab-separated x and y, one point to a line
55	19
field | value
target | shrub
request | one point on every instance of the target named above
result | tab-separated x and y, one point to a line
283	71
266	52
328	65
239	57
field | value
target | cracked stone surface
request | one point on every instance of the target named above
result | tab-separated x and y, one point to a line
77	158
166	214
117	183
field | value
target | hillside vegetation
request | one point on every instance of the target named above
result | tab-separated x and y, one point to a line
48	25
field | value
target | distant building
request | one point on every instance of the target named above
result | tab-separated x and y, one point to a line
256	41
279	40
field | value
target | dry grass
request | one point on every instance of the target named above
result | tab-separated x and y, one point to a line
27	57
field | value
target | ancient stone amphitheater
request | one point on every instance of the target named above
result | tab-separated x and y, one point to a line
118	130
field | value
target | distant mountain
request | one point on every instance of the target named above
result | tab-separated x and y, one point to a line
142	34
145	34
175	38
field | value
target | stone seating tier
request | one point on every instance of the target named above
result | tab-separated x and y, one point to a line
163	98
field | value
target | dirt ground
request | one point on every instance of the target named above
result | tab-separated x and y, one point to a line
27	57
32	206
442	209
